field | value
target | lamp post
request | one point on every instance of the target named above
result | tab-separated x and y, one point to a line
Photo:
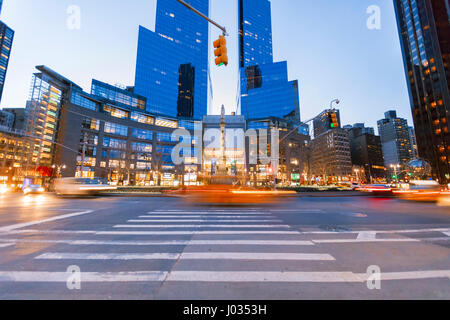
58	169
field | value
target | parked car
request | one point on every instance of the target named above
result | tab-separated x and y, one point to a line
81	186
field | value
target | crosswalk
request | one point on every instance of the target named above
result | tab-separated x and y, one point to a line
205	246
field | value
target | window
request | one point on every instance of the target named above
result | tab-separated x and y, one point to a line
164	137
142	118
142	134
91	124
83	102
114	143
116	113
142	147
115	128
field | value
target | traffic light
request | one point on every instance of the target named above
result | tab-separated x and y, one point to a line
221	51
334	122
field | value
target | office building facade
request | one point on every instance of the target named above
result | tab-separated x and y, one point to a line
424	29
6	41
367	152
6	119
264	86
172	62
331	159
395	140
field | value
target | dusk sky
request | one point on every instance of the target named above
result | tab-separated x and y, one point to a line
327	44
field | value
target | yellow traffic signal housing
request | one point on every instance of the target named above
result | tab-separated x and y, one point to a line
221	51
334	122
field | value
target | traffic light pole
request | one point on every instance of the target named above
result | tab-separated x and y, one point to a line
187	5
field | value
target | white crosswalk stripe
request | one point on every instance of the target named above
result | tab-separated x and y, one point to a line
195	226
187	256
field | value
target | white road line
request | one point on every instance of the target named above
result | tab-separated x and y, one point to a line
203	216
218	226
443	230
181	233
108	256
4	245
244	256
51	231
367	235
209	213
447	233
27	276
27	224
250	276
296	210
169	243
221	277
365	240
199	220
412	275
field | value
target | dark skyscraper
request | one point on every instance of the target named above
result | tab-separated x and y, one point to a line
180	40
6	40
265	88
424	28
186	87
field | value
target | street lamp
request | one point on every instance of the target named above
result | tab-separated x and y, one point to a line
58	169
337	101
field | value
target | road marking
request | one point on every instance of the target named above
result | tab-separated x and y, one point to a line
443	230
230	276
26	276
250	276
170	242
4	245
412	275
203	216
367	235
296	210
447	233
219	226
247	256
205	213
27	224
365	240
199	232
51	231
200	220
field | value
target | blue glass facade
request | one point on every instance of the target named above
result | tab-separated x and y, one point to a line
265	88
6	40
172	62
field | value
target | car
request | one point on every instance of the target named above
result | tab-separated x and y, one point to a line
376	189
4	189
421	191
33	189
81	186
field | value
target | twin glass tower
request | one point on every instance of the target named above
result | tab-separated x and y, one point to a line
172	69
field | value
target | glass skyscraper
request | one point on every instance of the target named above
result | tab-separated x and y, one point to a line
424	28
172	62
6	40
264	85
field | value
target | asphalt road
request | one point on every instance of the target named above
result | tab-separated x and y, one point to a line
162	248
